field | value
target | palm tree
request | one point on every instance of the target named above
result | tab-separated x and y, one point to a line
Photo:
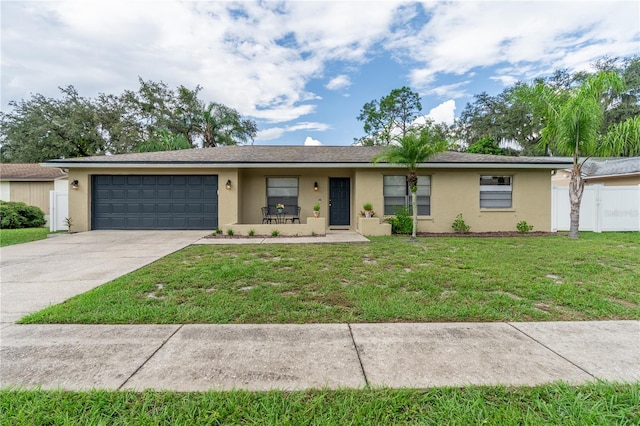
412	149
573	118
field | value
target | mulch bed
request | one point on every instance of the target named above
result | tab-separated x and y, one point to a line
491	234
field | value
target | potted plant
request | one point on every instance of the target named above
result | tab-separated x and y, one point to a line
316	210
368	209
280	207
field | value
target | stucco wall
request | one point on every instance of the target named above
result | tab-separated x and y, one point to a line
458	191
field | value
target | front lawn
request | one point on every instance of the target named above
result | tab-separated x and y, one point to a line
591	404
435	279
23	235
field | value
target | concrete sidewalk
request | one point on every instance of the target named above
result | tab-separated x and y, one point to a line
295	357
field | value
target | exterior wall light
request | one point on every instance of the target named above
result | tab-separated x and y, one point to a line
74	184
315	186
228	184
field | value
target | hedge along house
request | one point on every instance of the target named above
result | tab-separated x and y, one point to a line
227	187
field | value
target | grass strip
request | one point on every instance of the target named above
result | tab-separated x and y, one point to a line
558	403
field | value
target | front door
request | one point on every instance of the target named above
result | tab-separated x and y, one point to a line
339	197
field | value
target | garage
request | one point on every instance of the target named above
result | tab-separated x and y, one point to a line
154	202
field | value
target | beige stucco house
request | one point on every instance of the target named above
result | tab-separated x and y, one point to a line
31	183
227	187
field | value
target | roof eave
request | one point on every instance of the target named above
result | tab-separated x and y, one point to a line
324	165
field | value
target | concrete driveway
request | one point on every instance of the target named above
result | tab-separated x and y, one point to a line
42	273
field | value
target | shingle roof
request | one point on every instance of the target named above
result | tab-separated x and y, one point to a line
29	172
611	167
248	155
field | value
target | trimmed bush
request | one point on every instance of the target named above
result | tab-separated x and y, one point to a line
15	215
401	222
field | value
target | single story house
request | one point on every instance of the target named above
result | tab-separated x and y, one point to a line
30	183
603	171
227	187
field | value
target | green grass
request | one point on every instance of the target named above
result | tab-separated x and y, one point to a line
592	404
388	280
17	236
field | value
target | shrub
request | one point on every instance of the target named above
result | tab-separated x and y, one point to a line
401	222
19	215
252	232
459	225
367	206
524	227
230	232
275	233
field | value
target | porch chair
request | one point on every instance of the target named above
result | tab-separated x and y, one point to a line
266	217
296	216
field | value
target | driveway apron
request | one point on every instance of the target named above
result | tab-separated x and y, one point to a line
41	273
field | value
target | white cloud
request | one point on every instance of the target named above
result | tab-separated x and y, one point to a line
464	36
443	113
277	132
309	141
339	82
506	80
450	90
256	57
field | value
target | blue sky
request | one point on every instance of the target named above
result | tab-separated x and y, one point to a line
302	70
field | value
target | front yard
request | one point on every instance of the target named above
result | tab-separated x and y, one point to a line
436	279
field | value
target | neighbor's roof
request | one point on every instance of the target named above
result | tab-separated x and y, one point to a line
295	156
600	168
29	172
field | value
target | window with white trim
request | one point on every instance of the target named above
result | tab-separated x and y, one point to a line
496	192
283	190
397	194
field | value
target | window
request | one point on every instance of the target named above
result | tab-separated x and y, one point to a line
397	194
495	192
282	190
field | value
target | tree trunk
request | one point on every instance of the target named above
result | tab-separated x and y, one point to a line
576	187
414	210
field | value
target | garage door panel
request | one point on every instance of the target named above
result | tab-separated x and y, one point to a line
155	202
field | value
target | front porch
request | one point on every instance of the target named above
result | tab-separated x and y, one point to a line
312	226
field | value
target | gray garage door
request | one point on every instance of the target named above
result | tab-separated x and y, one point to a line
154	202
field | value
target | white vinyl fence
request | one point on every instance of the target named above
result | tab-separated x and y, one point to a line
58	210
603	208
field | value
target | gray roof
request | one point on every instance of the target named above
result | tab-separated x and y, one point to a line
29	172
254	156
595	167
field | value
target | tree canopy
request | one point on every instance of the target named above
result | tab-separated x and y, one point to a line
155	117
507	120
392	115
572	120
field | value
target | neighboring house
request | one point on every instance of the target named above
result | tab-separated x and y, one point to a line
608	172
226	187
30	183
